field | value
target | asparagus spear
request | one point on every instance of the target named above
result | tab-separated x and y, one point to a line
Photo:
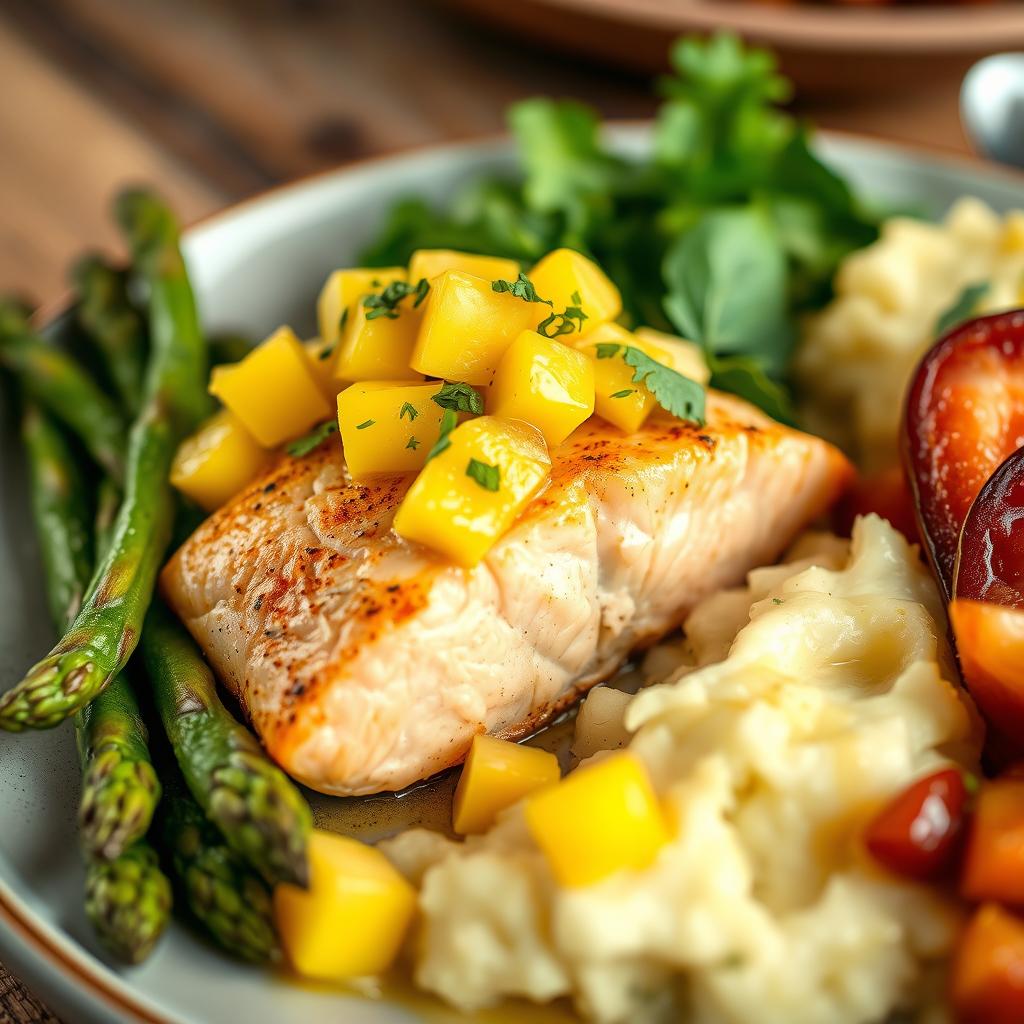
128	901
257	808
127	897
56	381
113	325
226	896
107	627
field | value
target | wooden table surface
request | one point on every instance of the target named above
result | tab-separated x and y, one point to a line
217	99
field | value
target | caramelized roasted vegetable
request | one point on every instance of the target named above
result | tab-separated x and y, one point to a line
987	983
965	415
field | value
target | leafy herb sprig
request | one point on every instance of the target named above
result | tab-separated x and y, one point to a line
679	395
521	288
486	475
385	302
454	397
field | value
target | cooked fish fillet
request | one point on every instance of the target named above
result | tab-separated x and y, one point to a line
366	663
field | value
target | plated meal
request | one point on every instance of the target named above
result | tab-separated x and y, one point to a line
664	508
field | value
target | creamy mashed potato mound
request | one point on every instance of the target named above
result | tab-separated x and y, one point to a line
793	708
858	354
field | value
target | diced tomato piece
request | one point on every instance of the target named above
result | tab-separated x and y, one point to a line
917	833
987	979
887	494
964	416
994	855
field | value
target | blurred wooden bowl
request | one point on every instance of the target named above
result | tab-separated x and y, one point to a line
853	47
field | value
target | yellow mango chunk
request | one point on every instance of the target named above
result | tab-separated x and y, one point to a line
388	426
565	274
616	398
497	774
321	358
544	382
352	919
467	326
379	347
343	289
468	495
217	461
685	357
430	263
272	390
598	820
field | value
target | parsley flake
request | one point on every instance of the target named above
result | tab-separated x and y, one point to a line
522	288
365	424
606	350
326	353
673	392
625	393
460	397
449	421
410	410
385	302
487	476
569	320
413	443
304	445
575	299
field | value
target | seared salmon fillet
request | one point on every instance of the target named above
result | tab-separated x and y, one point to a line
366	663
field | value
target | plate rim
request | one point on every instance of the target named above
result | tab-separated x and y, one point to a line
46	953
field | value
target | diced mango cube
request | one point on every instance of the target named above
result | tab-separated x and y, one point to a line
497	774
379	347
468	495
343	289
217	461
617	398
430	263
544	382
321	362
598	820
352	919
388	426
272	390
565	275
685	357
467	326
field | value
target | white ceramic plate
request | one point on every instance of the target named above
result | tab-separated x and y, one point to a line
257	265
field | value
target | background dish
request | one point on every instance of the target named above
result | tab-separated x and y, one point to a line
822	48
255	266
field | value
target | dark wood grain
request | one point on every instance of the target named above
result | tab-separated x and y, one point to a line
217	99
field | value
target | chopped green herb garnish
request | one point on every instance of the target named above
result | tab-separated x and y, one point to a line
606	350
487	476
413	443
625	393
344	319
460	397
326	353
365	424
575	299
675	393
522	288
385	302
449	421
776	600
569	320
408	409
304	445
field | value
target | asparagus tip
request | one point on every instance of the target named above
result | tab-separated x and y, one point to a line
54	689
119	798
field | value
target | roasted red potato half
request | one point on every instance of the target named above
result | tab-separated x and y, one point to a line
964	416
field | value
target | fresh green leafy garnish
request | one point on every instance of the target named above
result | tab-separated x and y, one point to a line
522	288
365	424
304	445
449	421
569	320
625	393
607	350
408	409
412	443
963	309
386	302
326	353
679	395
460	397
486	475
730	188
343	320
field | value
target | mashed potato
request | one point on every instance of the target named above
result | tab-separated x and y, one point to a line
796	705
858	354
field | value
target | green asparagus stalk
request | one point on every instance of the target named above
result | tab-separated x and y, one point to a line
58	383
113	325
128	902
225	895
106	630
258	810
127	897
